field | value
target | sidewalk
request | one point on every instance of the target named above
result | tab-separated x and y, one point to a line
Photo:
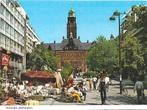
122	99
113	97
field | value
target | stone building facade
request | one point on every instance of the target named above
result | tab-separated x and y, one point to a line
71	49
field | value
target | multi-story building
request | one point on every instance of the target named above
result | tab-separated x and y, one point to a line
32	39
131	21
16	36
135	24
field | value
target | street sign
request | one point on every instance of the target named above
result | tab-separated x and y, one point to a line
5	59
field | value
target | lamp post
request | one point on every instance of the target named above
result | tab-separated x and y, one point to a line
118	14
94	43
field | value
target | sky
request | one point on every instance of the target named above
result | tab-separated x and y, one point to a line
49	18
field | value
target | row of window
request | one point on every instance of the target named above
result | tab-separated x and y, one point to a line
13	9
8	43
11	18
30	42
30	37
30	33
11	31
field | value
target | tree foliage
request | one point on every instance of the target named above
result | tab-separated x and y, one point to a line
103	55
42	59
136	22
66	71
137	18
132	56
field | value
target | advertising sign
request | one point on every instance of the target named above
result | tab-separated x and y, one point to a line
5	59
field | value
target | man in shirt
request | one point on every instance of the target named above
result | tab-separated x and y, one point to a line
107	81
94	82
139	88
102	88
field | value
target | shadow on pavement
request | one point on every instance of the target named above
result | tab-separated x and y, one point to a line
125	99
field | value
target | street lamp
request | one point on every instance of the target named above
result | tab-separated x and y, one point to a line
94	44
118	14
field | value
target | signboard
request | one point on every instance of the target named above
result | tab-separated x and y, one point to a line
5	59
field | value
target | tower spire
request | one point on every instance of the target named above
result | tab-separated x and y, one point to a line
71	13
71	24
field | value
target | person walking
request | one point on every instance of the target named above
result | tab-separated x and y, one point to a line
107	82
102	88
94	82
140	90
83	90
90	83
85	83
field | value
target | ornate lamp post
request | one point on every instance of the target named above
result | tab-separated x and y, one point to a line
118	14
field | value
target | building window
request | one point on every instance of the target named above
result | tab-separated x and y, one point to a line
12	32
11	6
21	48
2	39
7	28
12	19
2	24
2	9
7	15
7	2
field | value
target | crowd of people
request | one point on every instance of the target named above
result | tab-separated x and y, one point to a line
78	90
75	91
102	83
24	90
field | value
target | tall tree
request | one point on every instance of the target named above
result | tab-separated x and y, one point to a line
42	59
136	24
103	55
132	56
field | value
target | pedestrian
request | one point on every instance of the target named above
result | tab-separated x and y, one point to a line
102	88
94	82
83	90
140	90
90	83
107	82
84	81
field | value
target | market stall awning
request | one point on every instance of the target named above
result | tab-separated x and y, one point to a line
39	75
